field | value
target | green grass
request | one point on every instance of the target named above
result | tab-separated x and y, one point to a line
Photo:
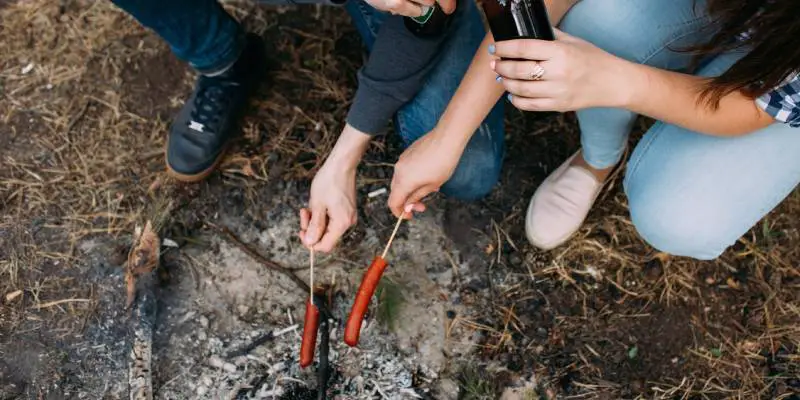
390	302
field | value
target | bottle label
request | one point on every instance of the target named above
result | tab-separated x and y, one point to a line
427	12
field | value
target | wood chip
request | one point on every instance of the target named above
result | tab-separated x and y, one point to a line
13	295
376	193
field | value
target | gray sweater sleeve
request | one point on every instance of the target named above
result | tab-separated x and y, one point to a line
393	74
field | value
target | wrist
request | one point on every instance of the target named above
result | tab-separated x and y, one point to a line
349	148
631	78
449	138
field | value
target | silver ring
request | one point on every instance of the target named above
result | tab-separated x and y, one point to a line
538	72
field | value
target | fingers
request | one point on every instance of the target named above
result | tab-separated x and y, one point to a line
523	70
448	6
401	204
529	49
316	226
531	89
403	7
336	229
428	3
534	104
414	202
305	218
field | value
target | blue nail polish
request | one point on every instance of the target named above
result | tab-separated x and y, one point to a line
510	97
491	49
499	78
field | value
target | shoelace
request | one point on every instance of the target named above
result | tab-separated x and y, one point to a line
209	103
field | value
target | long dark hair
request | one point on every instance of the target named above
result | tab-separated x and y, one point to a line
770	29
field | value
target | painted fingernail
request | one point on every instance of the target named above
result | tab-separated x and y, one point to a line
510	97
491	49
499	78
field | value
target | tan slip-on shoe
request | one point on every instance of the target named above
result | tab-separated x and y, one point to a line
560	205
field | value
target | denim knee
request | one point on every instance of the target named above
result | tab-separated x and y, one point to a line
477	173
471	183
646	32
670	222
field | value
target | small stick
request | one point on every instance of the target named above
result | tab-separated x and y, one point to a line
311	280
269	264
391	238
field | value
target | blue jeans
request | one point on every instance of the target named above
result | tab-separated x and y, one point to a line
201	33
689	194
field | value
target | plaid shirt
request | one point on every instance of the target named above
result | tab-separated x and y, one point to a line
783	102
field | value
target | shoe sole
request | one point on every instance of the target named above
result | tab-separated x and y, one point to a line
194	178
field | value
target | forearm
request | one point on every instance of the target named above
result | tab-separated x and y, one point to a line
674	98
479	91
473	99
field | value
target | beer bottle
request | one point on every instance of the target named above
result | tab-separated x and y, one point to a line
433	22
518	19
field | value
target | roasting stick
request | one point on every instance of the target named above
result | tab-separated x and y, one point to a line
391	238
311	279
367	289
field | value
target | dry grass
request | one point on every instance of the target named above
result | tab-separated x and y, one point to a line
82	157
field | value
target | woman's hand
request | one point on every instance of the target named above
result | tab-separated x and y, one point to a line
421	170
332	203
574	74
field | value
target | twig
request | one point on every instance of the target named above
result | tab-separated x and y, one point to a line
391	238
246	349
378	388
269	264
57	302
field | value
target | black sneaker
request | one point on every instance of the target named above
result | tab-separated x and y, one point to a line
208	121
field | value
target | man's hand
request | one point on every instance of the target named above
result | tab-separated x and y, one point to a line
411	8
422	169
332	203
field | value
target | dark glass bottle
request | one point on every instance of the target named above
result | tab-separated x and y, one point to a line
432	23
517	19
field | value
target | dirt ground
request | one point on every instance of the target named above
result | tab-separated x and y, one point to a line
467	309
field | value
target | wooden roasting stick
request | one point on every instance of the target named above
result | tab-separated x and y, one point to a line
367	289
311	323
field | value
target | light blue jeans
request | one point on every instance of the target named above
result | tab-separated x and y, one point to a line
689	194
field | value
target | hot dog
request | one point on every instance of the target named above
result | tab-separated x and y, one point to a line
309	334
361	303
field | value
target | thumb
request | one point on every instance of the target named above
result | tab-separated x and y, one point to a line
316	227
414	202
561	35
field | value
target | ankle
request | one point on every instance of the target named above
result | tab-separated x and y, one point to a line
600	174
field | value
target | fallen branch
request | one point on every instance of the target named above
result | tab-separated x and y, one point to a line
140	280
269	264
